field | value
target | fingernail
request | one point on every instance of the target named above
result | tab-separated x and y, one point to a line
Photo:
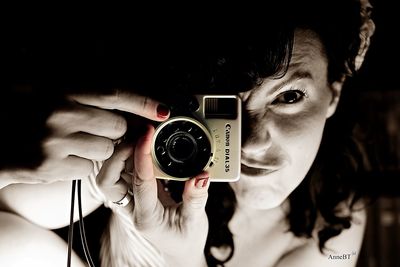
201	182
118	141
162	111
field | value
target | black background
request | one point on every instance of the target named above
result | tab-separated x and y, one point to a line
381	71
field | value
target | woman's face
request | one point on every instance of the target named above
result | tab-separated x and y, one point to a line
285	120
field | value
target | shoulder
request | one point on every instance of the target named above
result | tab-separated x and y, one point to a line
341	250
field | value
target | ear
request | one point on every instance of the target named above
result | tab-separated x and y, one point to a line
366	32
336	89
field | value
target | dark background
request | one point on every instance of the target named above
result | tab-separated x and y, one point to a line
381	71
378	82
380	120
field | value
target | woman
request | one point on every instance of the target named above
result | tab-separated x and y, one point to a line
290	181
298	194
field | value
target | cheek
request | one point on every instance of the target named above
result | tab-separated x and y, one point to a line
299	142
299	136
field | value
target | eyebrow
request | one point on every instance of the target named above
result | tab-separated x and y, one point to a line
297	75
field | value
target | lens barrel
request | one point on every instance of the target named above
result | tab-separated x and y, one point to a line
182	147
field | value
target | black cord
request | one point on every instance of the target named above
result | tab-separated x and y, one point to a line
71	224
82	229
81	226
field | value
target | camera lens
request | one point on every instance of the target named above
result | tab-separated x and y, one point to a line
182	147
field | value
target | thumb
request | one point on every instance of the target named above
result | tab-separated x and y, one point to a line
195	196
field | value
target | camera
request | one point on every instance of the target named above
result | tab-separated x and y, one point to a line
202	133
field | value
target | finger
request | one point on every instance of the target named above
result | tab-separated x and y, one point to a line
79	118
117	191
126	101
129	165
80	144
78	168
109	177
69	168
144	182
195	196
112	168
127	177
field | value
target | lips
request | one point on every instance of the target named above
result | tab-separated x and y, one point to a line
250	171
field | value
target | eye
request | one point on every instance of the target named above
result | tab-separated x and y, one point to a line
290	97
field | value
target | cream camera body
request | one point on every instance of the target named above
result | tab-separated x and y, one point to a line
206	136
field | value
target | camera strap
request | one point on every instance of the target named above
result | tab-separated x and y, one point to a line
77	184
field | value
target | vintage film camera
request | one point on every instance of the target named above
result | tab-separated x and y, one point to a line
202	133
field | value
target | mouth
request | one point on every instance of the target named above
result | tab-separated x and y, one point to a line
253	172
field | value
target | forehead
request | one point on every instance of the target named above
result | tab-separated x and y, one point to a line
308	60
307	49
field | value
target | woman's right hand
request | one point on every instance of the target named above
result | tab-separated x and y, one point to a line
83	131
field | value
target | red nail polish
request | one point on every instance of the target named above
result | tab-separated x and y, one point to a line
201	182
162	111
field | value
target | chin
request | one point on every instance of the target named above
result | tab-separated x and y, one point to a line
260	199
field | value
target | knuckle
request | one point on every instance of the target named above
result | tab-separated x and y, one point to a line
51	146
144	102
196	202
108	148
147	106
120	126
115	96
140	186
65	119
58	117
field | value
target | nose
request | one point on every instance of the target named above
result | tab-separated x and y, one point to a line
256	138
